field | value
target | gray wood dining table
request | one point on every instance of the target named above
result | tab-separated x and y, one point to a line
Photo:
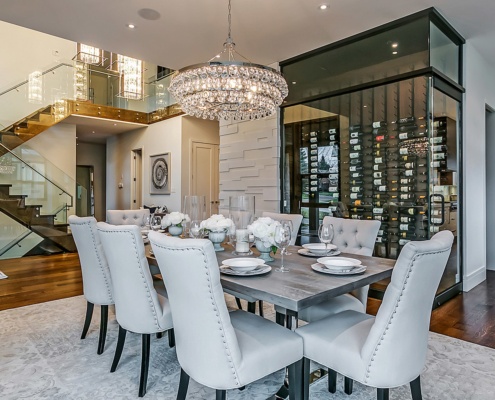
301	287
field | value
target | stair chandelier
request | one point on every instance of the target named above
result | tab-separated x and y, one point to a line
235	89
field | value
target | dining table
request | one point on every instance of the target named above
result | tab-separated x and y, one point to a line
302	286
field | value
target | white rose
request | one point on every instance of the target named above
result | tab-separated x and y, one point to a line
224	224
265	220
176	218
165	222
260	231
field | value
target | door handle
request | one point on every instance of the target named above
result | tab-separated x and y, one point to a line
442	199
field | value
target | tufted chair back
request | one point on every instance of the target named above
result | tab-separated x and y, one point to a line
136	301
207	346
97	282
395	349
127	217
354	236
296	222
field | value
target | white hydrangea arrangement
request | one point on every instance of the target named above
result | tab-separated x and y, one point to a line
175	218
217	223
263	229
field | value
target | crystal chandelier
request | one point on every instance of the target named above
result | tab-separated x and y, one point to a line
228	89
132	77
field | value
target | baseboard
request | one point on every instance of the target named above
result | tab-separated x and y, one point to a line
474	279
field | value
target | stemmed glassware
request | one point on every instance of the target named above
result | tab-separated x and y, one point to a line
282	240
195	229
288	222
325	233
156	222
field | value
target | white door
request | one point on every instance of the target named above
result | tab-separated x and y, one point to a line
204	179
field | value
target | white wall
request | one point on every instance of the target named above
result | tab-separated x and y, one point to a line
480	91
162	137
249	162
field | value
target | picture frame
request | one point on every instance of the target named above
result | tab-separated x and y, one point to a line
160	172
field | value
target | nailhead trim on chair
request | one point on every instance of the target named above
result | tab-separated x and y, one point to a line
215	308
100	264
152	305
382	337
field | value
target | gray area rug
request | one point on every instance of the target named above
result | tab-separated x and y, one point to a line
42	357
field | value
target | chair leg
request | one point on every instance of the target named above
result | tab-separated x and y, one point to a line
382	394
87	321
145	362
260	304
416	389
183	384
221	395
296	380
280	318
332	380
159	335
118	350
305	376
251	307
238	302
288	322
171	338
103	329
348	385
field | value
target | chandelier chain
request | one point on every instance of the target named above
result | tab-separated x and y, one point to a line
230	20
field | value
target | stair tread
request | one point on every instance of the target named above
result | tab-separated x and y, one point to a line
48	231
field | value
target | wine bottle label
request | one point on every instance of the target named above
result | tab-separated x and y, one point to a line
356	147
377	210
355	161
404	181
314	146
438	148
403	135
312	133
437	139
409	172
333	176
313	176
356	174
313	189
404	189
402	242
380	138
379	124
436	212
406	120
405	196
404	219
436	164
354	155
376	167
314	158
437	124
355	216
332	130
377	182
334	170
403	150
333	143
436	220
353	168
314	171
409	165
314	183
439	156
332	208
380	232
410	211
332	189
379	239
314	164
353	196
314	151
355	134
377	174
313	140
335	195
332	137
378	160
434	229
354	141
382	188
355	189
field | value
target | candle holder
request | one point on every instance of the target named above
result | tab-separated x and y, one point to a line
241	212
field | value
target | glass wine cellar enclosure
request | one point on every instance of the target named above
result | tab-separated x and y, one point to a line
371	129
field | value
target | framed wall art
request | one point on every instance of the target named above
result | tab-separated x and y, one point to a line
160	174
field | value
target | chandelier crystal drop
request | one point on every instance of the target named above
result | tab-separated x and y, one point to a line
222	90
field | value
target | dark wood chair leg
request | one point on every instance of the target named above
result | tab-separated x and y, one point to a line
382	394
296	380
118	350
332	380
260	304
145	363
305	376
159	335
348	383
183	384
89	314
280	318
221	395
171	338
251	307
103	329
416	389
238	302
288	322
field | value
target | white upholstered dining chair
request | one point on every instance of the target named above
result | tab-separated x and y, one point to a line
138	306
128	217
388	350
97	282
296	222
218	349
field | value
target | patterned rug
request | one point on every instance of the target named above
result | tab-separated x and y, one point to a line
42	357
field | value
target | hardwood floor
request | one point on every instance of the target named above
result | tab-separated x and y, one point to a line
469	316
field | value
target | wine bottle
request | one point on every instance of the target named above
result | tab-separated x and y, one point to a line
434	229
381	138
379	174
403	242
379	182
356	182
437	148
356	134
333	176
353	168
439	164
332	137
379	160
381	239
382	188
314	146
439	156
354	155
407	227
357	175
313	140
407	196
357	147
356	209
313	133
332	130
379	124
356	189
406	220
438	124
411	211
357	216
313	152
405	189
411	135
355	196
437	140
355	141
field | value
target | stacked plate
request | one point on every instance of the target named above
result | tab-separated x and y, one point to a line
318	250
244	266
339	266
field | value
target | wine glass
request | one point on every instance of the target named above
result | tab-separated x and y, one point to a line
156	222
288	222
282	240
325	233
195	229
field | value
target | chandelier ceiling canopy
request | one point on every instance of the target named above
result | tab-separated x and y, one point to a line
229	88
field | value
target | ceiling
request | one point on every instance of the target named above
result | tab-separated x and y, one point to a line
183	32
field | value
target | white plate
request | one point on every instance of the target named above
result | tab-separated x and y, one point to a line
243	264
318	249
260	270
349	271
307	253
338	263
145	232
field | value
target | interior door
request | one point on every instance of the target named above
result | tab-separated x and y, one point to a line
137	179
204	179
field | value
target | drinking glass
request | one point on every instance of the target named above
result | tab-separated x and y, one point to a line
282	240
325	233
156	222
288	222
195	229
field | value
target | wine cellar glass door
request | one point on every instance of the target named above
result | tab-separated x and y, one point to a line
443	181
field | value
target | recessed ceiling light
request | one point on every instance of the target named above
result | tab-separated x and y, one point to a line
365	106
131	26
394	52
114	124
93	131
323	7
395	45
